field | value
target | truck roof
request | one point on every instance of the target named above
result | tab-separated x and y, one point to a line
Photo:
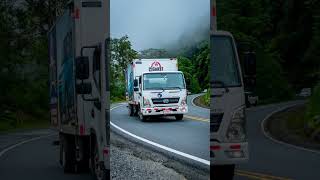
226	33
156	72
152	59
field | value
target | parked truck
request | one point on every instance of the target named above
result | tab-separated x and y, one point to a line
155	87
228	134
79	89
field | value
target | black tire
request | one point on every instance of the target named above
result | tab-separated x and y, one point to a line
130	110
135	111
83	165
225	172
98	169
142	117
67	155
179	117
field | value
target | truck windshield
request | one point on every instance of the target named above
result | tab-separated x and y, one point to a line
163	81
224	63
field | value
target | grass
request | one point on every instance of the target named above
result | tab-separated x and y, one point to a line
295	120
205	99
298	123
117	100
26	122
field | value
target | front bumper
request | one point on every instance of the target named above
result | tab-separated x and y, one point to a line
229	153
165	111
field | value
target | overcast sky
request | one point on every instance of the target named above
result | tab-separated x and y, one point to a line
156	23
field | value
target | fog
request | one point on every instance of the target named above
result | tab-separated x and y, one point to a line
160	23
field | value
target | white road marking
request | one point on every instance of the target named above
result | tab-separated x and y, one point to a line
21	143
266	134
159	145
195	104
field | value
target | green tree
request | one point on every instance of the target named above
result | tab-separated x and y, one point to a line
194	85
121	55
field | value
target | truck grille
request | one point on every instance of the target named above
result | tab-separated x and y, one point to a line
165	100
215	121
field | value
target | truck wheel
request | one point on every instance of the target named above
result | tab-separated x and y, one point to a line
179	117
135	111
83	164
67	154
130	109
98	168
225	172
142	117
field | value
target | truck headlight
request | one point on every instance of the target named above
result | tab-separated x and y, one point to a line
146	102
184	101
236	130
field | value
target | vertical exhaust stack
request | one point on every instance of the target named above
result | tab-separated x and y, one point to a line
213	15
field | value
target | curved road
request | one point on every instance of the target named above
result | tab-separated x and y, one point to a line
38	159
271	158
190	135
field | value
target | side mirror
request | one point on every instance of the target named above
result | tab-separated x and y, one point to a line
135	89
84	88
135	83
250	64
82	67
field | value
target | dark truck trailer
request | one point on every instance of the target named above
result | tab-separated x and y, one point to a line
79	89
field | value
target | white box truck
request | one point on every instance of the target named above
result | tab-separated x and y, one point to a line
79	88
155	87
228	135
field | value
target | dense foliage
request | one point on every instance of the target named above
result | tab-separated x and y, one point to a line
285	34
121	55
24	60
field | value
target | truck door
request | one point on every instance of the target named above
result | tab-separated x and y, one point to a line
96	84
227	87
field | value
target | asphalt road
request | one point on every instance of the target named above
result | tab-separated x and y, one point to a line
35	160
272	160
190	135
38	159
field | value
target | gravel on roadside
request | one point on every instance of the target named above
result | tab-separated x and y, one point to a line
129	160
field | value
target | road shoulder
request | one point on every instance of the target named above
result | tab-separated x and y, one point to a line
195	101
137	161
274	127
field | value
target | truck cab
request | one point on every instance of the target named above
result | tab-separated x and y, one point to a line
162	93
228	136
155	87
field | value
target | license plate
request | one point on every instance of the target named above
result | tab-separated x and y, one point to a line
167	111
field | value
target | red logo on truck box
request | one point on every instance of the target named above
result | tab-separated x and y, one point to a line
155	66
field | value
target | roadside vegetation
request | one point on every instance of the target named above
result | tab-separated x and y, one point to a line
312	115
286	38
204	100
299	125
24	62
121	55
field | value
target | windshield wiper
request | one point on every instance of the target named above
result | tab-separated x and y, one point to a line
175	88
223	85
155	88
